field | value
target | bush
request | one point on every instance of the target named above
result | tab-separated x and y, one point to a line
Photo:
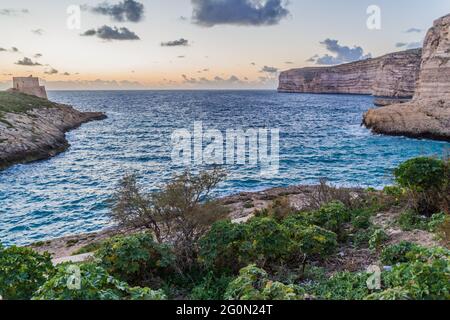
390	294
377	238
95	284
422	281
228	247
360	218
265	242
343	286
331	216
421	174
136	259
410	220
427	181
211	288
182	212
254	284
219	248
310	240
22	272
406	252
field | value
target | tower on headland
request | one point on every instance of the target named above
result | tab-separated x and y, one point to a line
29	85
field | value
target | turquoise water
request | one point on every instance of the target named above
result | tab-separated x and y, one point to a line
320	136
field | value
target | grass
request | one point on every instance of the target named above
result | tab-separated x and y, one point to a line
14	102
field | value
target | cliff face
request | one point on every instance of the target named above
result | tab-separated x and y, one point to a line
393	75
37	133
428	115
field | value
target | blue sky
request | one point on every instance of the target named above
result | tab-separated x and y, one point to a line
207	43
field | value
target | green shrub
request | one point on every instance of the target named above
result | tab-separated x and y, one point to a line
360	218
254	284
436	221
397	253
211	288
410	220
422	281
265	242
22	272
331	216
343	286
421	174
390	294
405	252
228	247
427	181
219	248
394	191
309	240
361	238
136	259
377	238
94	284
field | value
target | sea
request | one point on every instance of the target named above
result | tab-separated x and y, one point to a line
320	136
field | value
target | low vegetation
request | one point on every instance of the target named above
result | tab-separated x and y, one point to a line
19	103
184	246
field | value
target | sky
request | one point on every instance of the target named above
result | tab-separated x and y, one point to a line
198	44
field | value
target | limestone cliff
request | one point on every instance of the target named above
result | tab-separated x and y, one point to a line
33	129
393	75
428	115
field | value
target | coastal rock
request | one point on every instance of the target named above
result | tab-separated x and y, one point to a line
393	76
428	114
39	133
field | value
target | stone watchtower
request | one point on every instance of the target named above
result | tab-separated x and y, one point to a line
29	85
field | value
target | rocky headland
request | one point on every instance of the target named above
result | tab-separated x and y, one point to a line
428	114
32	128
390	77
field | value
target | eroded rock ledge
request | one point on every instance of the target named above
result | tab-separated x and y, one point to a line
38	133
428	114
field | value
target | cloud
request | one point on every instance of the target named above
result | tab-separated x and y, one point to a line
288	62
13	12
127	10
51	71
38	32
414	30
209	13
409	45
37	55
341	54
27	62
13	50
176	43
181	57
66	74
112	33
216	81
267	69
98	84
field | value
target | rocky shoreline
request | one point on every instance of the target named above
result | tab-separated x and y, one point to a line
38	133
428	114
